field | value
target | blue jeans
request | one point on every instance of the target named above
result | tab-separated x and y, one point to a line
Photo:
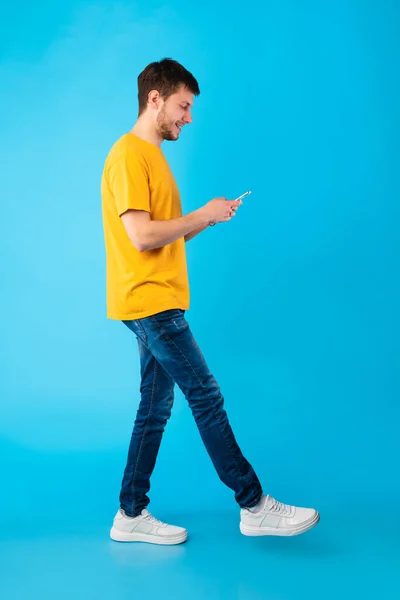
169	354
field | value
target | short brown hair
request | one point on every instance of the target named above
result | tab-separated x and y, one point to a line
166	76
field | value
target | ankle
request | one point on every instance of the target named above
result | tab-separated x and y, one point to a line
257	507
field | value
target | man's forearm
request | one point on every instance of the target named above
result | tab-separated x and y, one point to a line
162	233
190	236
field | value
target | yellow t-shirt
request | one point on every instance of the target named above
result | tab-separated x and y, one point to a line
139	284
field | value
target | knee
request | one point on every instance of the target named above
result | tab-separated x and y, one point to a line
162	412
209	409
154	412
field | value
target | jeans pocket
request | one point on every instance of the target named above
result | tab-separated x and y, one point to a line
167	315
137	328
170	321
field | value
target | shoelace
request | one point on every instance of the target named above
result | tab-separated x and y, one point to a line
154	521
279	507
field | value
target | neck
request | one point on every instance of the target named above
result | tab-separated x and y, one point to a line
146	132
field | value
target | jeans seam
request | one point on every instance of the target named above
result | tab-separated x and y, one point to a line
144	432
139	324
199	380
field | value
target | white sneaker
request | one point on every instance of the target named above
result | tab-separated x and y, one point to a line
275	518
145	528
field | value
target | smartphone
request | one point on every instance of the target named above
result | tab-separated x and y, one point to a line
243	195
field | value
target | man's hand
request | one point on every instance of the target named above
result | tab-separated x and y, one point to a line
220	210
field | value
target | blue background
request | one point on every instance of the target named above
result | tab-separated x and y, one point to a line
294	302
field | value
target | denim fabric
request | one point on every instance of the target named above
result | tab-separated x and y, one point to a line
169	354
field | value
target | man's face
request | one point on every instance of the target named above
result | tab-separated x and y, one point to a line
175	114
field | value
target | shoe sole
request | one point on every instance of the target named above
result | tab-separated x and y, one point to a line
123	536
258	531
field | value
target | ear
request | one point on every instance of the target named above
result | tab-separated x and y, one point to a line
154	99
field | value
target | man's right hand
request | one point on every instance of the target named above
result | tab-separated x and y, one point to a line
219	210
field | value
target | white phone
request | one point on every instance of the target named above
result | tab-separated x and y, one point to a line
243	195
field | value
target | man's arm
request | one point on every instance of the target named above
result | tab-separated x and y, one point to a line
190	236
146	234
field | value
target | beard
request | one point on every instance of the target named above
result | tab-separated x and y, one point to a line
166	127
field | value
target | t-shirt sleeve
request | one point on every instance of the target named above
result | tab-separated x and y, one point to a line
129	183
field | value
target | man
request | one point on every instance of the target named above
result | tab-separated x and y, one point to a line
148	290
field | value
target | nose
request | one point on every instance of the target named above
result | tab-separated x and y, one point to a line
188	118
